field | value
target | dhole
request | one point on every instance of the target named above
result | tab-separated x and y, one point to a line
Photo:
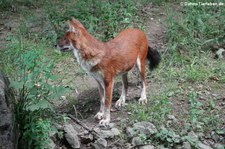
104	61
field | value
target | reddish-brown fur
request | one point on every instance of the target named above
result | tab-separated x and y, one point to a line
106	60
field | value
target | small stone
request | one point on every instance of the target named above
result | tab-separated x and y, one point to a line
172	117
100	144
193	136
109	133
219	146
128	145
137	141
186	145
200	135
161	147
71	136
146	128
111	125
203	146
130	132
85	139
51	144
147	147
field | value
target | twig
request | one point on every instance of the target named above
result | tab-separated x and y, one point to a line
84	126
113	143
75	110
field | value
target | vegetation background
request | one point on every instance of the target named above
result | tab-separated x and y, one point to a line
189	83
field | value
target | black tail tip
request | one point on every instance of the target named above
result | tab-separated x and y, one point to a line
153	57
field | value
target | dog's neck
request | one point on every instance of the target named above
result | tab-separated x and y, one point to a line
89	51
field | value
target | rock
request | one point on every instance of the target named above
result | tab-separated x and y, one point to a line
51	144
146	128
161	147
193	136
100	144
203	146
130	132
128	145
147	147
71	136
172	118
186	145
215	136
219	146
137	141
110	133
8	126
220	54
87	138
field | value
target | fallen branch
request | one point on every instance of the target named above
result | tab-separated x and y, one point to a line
94	133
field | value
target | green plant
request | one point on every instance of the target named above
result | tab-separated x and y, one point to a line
155	111
169	137
36	94
5	4
195	109
36	132
193	31
103	19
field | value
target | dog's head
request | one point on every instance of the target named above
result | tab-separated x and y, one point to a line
72	38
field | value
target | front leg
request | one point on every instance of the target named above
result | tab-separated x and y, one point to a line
101	89
108	99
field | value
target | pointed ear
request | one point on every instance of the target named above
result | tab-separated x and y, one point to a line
75	21
71	27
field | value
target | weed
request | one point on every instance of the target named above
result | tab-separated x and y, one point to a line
193	31
5	4
195	109
36	92
169	137
104	19
156	111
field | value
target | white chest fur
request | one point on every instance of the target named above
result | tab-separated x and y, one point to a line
87	65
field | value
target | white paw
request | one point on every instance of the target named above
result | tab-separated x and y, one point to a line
99	116
142	101
119	103
104	122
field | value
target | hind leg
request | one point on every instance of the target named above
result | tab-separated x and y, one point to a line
121	101
141	69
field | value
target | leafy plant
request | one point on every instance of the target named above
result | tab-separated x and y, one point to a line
104	19
169	137
193	31
156	111
36	94
195	109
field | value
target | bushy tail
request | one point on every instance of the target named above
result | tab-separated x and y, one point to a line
154	58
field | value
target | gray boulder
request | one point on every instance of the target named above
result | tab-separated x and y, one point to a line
146	128
8	126
71	136
100	144
147	147
203	146
109	133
